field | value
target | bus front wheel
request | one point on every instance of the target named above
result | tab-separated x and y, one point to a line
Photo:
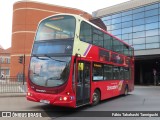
95	97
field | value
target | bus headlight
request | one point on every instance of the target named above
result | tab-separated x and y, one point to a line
60	99
65	98
29	94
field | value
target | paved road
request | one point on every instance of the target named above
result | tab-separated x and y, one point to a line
144	98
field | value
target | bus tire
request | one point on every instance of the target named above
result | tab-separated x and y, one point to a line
95	97
126	91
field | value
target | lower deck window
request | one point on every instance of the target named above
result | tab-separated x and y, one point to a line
109	72
97	71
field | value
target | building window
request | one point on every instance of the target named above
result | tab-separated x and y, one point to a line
138	28
7	72
139	41
151	19
152	32
126	30
153	45
116	20
151	13
7	60
127	18
138	34
151	6
116	15
139	47
127	36
106	18
127	24
127	13
2	60
138	22
152	39
151	26
138	10
138	15
115	26
116	32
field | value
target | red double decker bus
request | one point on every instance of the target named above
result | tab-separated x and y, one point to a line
74	63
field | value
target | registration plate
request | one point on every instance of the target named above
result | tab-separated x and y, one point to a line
45	101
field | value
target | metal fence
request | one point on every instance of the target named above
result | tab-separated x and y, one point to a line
12	85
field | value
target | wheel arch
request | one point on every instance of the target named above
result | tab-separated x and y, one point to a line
99	91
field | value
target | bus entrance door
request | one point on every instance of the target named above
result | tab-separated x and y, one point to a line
83	83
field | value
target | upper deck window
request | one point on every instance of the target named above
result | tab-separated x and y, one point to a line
86	32
91	34
56	27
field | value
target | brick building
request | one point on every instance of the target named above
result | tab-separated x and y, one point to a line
4	62
26	16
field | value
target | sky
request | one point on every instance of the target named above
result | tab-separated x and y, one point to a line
6	12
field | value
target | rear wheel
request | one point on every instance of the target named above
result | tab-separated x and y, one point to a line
95	97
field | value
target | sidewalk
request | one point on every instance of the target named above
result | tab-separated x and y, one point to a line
12	94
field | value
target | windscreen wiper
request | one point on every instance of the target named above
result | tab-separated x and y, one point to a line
39	57
53	58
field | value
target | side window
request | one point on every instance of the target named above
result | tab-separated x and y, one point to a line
130	52
104	55
87	72
97	71
126	50
80	71
98	37
116	58
116	73
107	72
127	61
126	74
116	45
107	42
121	48
121	73
86	32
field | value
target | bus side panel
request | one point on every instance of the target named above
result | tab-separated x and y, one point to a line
110	88
131	81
